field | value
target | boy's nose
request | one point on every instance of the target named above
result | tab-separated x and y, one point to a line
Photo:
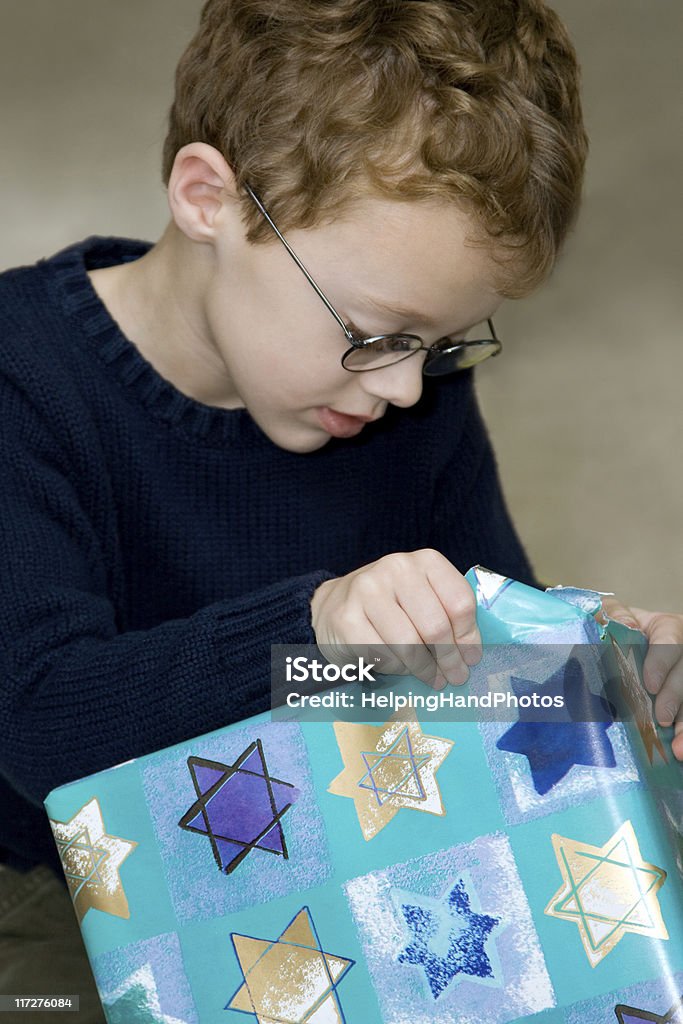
399	384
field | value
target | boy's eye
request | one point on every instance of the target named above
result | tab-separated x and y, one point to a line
397	343
384	344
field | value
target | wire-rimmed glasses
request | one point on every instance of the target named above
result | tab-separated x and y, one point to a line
372	353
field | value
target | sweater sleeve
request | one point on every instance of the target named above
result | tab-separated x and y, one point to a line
471	522
78	695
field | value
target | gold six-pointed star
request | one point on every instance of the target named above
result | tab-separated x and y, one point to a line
91	859
290	980
608	891
389	768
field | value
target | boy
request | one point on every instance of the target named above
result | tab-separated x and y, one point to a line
233	438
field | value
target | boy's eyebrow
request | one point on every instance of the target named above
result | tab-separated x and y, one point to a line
415	316
403	312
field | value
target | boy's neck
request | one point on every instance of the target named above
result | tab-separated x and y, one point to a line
157	301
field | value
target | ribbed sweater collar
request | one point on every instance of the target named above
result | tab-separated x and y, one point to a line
102	336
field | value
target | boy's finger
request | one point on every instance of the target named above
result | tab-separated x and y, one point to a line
659	661
677	742
669	700
428	615
398	633
452	664
367	644
435	629
664	650
421	663
460	605
614	609
466	633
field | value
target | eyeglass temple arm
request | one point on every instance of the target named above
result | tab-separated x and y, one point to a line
299	264
308	277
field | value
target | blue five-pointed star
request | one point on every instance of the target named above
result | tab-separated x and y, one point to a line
553	740
463	951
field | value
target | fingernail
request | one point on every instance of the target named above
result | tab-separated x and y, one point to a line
653	679
667	715
471	655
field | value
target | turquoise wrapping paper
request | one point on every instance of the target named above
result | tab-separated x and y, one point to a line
438	870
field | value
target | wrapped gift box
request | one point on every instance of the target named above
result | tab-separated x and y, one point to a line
417	869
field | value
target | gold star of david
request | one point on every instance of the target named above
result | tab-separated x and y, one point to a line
91	859
388	768
638	701
291	980
608	891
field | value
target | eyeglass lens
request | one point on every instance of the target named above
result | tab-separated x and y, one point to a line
447	357
382	351
459	357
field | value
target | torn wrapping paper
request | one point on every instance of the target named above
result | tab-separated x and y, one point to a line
412	870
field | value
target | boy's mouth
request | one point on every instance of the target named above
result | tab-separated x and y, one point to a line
341	424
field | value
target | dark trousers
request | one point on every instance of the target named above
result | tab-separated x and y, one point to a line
41	949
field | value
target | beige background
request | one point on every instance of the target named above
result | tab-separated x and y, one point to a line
584	406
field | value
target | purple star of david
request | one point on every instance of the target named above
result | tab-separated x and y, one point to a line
633	1015
239	807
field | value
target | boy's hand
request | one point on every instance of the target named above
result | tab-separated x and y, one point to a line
415	605
663	667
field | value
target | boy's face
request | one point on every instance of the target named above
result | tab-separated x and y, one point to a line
387	267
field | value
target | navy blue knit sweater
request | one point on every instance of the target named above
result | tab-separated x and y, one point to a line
153	548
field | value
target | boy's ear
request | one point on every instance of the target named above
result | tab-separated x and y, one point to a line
200	184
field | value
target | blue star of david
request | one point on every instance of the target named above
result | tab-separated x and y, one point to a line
409	785
569	735
239	807
449	939
633	1015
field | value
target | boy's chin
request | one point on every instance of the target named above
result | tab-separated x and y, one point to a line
299	439
302	446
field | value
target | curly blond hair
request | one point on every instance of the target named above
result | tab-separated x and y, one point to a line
316	102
